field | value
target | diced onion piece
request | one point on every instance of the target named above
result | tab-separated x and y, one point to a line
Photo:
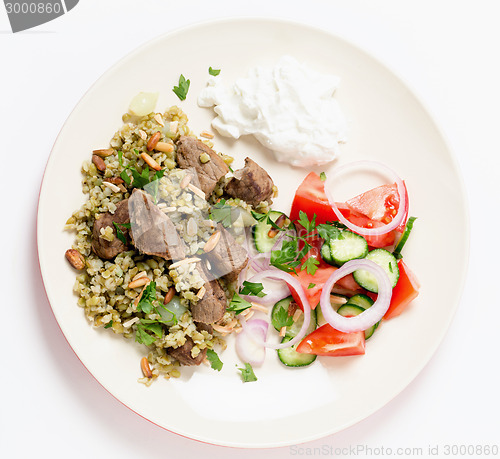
398	218
371	315
143	103
249	342
294	283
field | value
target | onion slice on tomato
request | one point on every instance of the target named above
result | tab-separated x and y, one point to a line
295	284
371	315
398	218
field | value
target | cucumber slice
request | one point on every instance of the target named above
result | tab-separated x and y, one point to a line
384	259
325	253
319	314
348	246
361	300
291	358
293	329
352	310
264	243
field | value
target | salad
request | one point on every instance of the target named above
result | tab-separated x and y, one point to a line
342	265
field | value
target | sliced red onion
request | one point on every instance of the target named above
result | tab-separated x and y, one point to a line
398	218
371	315
295	284
249	342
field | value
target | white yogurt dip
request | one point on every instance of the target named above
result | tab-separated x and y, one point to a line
289	108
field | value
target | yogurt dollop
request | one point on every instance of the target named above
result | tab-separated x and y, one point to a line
289	108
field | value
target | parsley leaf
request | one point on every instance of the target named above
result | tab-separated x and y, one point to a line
119	232
247	374
253	289
327	231
148	296
108	325
153	326
183	88
311	285
125	177
257	216
214	360
304	221
120	158
281	318
220	212
310	265
213	72
238	304
322	176
143	337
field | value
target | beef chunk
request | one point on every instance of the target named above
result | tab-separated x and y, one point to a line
152	232
183	353
189	150
212	306
228	258
252	184
110	249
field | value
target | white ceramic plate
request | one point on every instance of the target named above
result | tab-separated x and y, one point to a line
386	123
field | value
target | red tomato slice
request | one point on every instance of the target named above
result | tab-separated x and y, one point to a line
405	291
327	341
379	204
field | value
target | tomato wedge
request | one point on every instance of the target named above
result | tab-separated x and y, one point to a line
405	291
327	341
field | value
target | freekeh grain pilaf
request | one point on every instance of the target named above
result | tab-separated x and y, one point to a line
110	291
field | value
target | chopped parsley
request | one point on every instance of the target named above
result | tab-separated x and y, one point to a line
183	88
282	319
322	176
310	265
119	232
238	304
311	285
252	289
215	361
148	296
213	72
222	213
247	374
108	325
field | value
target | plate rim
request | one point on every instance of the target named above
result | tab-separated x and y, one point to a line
415	94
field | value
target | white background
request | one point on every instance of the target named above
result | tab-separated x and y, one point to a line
447	51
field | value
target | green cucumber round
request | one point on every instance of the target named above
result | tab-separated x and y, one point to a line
387	261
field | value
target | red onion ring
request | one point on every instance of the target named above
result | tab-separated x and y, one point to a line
248	342
371	315
295	284
398	218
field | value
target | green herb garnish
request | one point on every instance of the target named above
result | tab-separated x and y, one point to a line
119	232
282	319
252	289
148	296
215	361
183	88
213	72
238	304
322	176
221	212
310	265
108	325
311	285
247	374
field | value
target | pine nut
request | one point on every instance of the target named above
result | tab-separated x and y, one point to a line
99	163
114	180
111	186
297	315
150	162
75	259
170	294
201	292
139	282
197	191
212	242
142	134
139	275
184	262
159	119
280	221
206	134
104	153
164	147
283	331
146	369
153	141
